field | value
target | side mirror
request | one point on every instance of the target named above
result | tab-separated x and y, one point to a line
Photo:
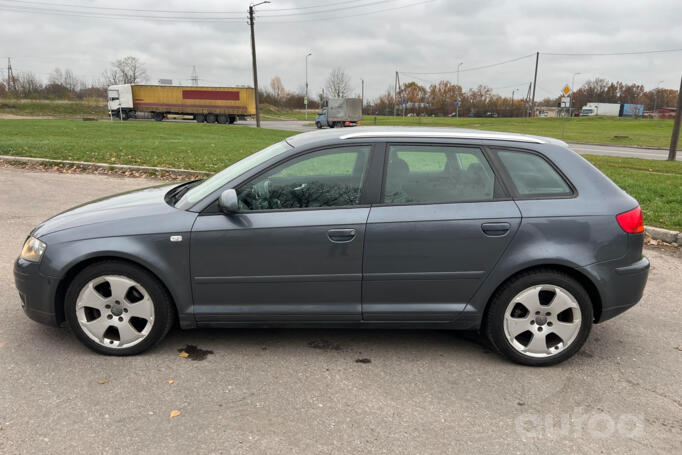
228	202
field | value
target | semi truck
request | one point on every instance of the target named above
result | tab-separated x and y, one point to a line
203	104
612	110
339	112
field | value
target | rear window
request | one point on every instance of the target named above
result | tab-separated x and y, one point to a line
532	175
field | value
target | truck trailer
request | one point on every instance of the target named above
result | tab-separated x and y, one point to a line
339	112
612	110
203	104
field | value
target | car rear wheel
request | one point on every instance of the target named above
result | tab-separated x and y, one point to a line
158	116
210	118
200	118
117	308
539	318
222	119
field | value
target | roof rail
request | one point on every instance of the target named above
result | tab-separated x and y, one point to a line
446	134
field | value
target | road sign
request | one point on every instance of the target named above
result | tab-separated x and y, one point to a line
458	104
305	100
404	100
566	90
565	102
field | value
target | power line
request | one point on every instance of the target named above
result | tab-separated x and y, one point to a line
137	17
475	68
602	54
317	19
102	10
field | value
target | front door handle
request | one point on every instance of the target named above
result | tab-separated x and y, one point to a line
341	235
495	229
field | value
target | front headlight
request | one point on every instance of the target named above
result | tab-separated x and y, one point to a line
33	250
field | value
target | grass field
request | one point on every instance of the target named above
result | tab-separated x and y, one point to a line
204	147
59	109
598	130
657	185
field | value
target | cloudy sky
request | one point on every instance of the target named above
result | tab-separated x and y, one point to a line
369	39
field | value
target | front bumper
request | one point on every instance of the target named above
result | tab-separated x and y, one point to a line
36	291
620	287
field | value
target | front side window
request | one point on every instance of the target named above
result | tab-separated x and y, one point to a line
325	178
423	174
532	175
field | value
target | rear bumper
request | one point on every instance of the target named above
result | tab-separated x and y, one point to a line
36	292
620	287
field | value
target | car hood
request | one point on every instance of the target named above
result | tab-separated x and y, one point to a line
133	208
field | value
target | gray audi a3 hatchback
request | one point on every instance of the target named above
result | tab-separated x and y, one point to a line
515	236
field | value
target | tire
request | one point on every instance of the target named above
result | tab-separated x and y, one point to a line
200	118
557	324
158	116
91	310
124	115
222	119
318	125
210	118
331	125
231	119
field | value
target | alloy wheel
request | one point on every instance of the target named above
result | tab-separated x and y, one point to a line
115	311
542	321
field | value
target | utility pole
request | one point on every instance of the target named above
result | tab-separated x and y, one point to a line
535	81
395	95
10	75
458	90
253	58
672	154
512	104
195	76
306	84
362	95
658	86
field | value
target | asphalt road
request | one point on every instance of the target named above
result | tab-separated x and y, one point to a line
610	150
303	391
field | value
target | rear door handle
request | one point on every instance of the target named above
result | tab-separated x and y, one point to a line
495	229
341	235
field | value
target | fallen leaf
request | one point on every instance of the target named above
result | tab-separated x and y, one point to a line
174	413
183	354
102	380
170	381
679	348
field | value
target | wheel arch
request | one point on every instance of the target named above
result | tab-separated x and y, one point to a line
584	280
79	265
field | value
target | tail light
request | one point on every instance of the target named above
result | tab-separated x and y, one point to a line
631	221
347	123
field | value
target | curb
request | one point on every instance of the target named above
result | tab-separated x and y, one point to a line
642	147
664	235
108	167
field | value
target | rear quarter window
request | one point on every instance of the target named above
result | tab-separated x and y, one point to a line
532	175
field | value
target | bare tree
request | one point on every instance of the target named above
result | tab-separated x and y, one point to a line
132	70
126	70
111	76
278	90
338	83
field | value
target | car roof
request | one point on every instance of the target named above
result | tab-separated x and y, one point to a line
407	132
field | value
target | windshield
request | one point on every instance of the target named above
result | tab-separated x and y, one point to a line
199	192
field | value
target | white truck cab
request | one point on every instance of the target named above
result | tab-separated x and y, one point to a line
119	98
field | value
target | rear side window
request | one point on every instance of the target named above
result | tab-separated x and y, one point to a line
532	175
423	174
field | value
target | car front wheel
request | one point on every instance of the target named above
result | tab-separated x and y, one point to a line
538	318
117	308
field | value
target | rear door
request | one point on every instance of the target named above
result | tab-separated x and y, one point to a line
444	221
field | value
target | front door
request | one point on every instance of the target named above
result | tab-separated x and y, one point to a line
444	222
294	251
